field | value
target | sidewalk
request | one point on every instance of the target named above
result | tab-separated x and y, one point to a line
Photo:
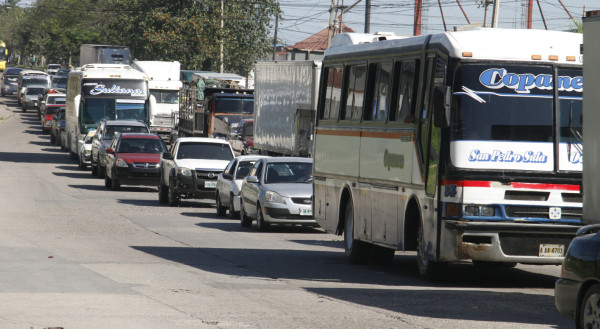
5	114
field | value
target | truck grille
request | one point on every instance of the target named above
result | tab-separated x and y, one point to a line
514	244
302	200
541	212
208	174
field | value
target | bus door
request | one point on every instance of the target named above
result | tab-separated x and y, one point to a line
429	144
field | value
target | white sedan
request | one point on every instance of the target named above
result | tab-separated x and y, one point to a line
229	184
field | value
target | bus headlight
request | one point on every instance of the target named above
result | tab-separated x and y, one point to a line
471	210
487	211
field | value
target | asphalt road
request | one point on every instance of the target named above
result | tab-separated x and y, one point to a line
76	255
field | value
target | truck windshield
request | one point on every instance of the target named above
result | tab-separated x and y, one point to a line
209	151
29	82
503	117
165	97
234	105
96	109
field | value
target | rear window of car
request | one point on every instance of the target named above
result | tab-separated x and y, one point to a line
35	91
57	100
51	110
209	151
12	71
111	130
141	145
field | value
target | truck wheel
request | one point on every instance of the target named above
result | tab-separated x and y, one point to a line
428	269
221	210
232	213
244	219
174	198
261	225
357	251
163	192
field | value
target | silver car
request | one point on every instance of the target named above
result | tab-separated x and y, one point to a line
278	190
229	184
31	95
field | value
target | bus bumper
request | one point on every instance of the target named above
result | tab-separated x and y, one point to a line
503	242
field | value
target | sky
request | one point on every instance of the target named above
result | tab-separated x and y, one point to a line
301	19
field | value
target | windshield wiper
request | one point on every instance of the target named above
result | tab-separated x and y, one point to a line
574	134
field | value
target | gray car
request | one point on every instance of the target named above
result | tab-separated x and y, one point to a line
9	81
278	190
30	98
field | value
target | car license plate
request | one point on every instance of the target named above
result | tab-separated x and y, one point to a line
305	211
210	184
552	250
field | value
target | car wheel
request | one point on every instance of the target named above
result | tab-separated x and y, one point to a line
220	209
163	192
82	165
94	169
244	219
232	213
428	269
174	198
589	310
115	185
52	139
261	225
101	171
356	251
107	182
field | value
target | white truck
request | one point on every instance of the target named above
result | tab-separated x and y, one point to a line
164	84
285	105
191	169
103	54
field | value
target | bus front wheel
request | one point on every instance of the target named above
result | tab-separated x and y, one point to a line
356	250
428	269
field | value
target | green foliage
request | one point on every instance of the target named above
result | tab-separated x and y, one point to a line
188	31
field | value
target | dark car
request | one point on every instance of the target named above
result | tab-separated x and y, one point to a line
106	131
57	127
59	82
242	139
132	159
9	81
577	292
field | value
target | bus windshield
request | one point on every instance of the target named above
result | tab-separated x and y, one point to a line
96	109
503	117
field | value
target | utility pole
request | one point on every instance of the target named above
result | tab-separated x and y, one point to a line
529	13
221	57
331	15
542	14
417	22
275	37
368	16
495	13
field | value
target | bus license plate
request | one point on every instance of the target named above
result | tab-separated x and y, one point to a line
210	184
305	211
552	250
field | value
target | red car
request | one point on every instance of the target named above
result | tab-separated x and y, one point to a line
132	159
46	118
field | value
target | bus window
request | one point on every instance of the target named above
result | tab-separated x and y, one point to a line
333	93
405	107
381	92
355	92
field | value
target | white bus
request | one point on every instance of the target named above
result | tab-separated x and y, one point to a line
460	145
98	92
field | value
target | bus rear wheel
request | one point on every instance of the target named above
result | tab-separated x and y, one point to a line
356	250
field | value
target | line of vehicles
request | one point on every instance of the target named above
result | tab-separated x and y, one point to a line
459	146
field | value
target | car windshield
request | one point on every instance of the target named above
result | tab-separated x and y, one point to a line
29	82
12	72
243	169
209	151
111	130
165	97
141	145
59	81
53	67
34	91
57	100
51	110
288	172
249	131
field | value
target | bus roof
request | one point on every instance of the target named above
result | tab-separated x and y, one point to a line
112	71
481	43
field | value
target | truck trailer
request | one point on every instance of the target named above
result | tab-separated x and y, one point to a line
285	106
164	85
103	54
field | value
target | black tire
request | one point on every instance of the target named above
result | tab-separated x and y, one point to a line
381	255
261	225
52	139
589	310
173	197
82	165
94	169
115	185
244	219
221	210
107	182
356	250
163	192
428	269
101	171
232	213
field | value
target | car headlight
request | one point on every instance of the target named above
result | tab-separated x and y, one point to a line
121	163
185	171
274	197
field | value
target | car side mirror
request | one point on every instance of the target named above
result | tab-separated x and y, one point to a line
251	179
110	150
167	155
